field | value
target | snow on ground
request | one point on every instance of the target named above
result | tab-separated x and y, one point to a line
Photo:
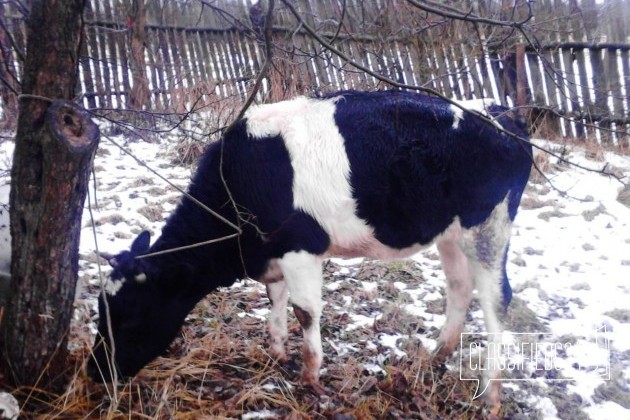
569	266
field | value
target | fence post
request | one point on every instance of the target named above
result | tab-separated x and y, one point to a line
521	77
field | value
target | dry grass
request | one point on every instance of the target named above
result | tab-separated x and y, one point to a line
218	367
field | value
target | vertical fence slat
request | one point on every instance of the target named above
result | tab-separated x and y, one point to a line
212	68
600	90
155	78
624	140
121	43
570	84
111	61
88	81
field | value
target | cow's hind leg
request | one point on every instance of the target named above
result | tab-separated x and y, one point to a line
303	275
459	288
487	256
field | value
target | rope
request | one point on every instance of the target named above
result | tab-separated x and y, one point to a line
182	248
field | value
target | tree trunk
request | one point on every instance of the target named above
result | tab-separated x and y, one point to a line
54	150
140	96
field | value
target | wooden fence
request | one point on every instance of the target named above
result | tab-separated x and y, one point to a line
197	54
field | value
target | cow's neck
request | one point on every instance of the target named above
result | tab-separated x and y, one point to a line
210	265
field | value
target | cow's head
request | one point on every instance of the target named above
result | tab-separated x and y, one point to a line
140	310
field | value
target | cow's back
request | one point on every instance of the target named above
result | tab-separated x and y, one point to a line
415	166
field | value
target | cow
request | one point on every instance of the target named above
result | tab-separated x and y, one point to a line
375	174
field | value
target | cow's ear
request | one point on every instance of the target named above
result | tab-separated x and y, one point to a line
108	257
141	244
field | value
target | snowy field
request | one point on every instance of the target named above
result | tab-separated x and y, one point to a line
569	266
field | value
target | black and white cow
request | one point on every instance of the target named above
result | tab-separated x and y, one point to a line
379	174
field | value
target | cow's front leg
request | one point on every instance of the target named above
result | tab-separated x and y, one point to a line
303	276
278	294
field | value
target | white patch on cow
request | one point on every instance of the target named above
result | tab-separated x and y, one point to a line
478	105
272	119
303	275
458	115
112	287
140	278
321	170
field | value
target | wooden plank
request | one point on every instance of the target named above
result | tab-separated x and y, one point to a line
190	41
475	67
360	54
120	39
549	79
346	69
182	52
218	55
167	72
306	78
205	38
570	87
600	88
84	62
356	79
538	98
560	81
582	88
203	61
615	75
319	65
452	68
238	64
180	82
442	71
176	59
214	41
101	62
247	70
487	75
458	69
537	93
97	77
523	92
430	75
111	62
624	139
231	66
412	63
155	74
